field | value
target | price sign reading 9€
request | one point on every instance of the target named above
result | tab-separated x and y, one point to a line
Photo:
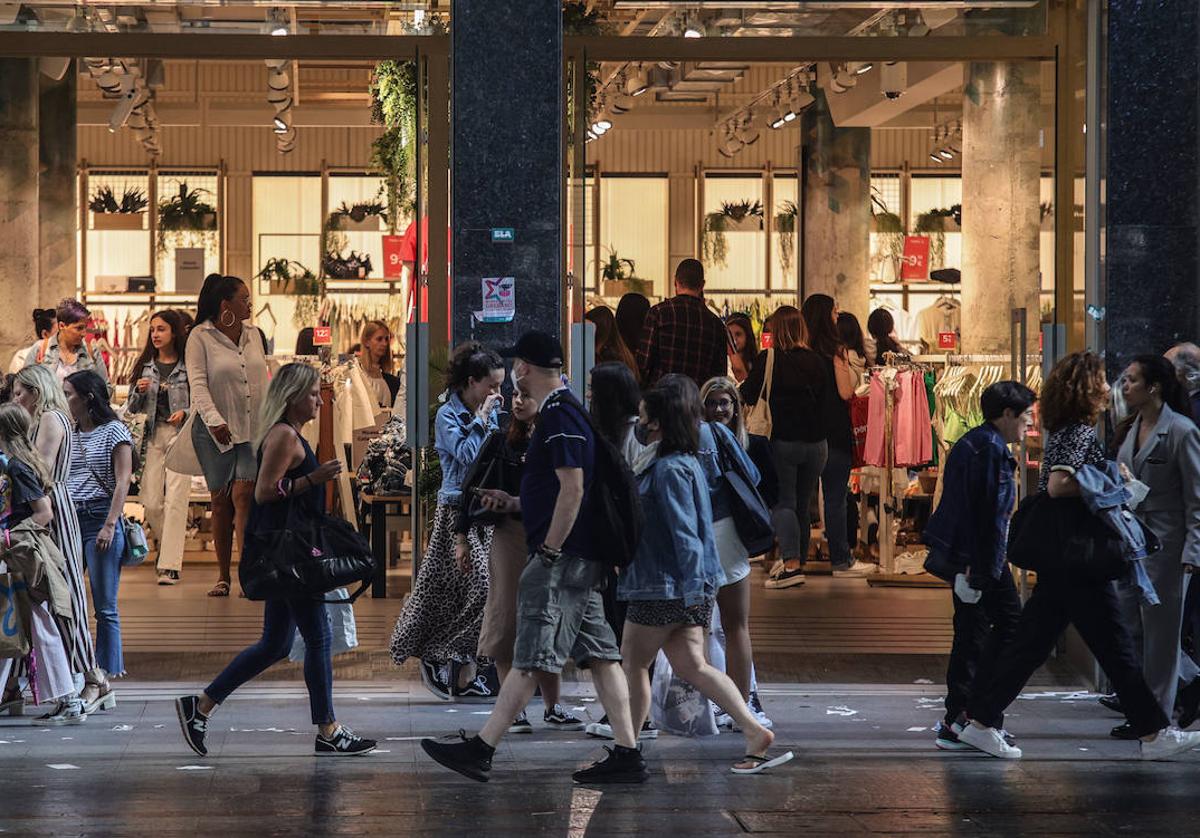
393	264
914	264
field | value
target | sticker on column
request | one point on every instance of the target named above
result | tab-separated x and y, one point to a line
499	299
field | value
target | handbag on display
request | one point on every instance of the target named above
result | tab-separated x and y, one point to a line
758	416
309	556
860	410
750	514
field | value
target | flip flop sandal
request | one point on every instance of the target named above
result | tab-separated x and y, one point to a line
220	589
762	764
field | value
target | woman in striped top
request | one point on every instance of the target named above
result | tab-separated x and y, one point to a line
37	390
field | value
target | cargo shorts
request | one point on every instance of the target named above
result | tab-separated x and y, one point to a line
560	615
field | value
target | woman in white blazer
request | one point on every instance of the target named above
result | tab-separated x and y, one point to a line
1161	448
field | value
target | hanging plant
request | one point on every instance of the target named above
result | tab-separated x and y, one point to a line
785	226
187	210
714	244
935	224
358	213
294	278
104	200
394	106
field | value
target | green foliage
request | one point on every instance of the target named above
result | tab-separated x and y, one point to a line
933	224
357	213
302	283
714	245
785	226
617	269
394	105
739	210
104	200
187	210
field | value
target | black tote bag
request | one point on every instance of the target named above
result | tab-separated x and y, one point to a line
751	516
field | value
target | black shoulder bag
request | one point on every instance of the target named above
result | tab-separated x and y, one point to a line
750	513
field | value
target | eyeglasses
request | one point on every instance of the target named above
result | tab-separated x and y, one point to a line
716	404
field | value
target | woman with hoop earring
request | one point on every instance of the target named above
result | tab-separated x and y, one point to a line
227	371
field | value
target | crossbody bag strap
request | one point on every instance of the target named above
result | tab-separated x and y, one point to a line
765	393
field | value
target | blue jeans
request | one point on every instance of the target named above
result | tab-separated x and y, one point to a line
834	479
104	572
281	617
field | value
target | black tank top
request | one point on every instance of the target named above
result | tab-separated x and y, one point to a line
312	502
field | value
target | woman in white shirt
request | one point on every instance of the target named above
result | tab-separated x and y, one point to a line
375	358
227	371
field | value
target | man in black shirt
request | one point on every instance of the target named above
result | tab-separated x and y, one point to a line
559	603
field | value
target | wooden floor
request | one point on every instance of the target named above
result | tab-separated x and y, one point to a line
825	616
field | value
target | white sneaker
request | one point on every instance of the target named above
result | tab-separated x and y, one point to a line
858	569
990	741
1171	741
68	712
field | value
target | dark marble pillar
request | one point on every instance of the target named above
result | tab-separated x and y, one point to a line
1153	262
837	209
18	201
57	217
507	162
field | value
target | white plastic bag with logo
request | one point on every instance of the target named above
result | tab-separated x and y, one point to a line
678	707
341	621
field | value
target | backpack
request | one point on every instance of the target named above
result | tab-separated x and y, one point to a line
614	503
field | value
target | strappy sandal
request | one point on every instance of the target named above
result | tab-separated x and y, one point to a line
761	764
220	589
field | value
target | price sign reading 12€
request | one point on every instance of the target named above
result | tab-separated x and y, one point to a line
322	336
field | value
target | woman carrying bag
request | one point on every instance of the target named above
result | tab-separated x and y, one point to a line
1074	396
288	476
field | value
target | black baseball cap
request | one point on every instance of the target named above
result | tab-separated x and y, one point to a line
537	348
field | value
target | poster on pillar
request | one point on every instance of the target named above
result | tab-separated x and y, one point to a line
499	299
914	264
393	261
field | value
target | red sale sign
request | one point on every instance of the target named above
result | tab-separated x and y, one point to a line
948	340
768	340
914	264
393	263
322	335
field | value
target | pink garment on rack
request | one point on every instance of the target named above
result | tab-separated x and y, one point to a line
875	453
911	421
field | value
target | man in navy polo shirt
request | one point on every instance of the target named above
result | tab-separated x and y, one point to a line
560	610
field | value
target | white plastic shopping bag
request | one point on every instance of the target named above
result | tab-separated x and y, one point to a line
341	621
678	707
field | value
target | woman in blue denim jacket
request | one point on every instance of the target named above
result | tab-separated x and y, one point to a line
158	387
442	618
671	584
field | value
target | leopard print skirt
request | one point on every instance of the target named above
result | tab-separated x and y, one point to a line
443	615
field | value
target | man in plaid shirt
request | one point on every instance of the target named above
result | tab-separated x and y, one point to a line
681	335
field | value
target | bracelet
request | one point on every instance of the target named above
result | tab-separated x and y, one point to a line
547	550
284	487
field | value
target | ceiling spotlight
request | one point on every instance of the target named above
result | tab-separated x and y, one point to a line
747	130
278	80
591	135
862	69
283	122
692	28
919	29
731	145
842	80
946	154
637	83
277	22
602	124
777	117
935	157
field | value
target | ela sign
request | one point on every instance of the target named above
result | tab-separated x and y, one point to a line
503	235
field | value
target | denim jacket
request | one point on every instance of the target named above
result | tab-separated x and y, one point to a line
711	465
969	529
178	393
458	436
677	557
1104	493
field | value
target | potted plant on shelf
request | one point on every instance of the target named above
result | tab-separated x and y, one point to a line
785	226
355	266
619	278
291	277
186	219
935	224
364	216
744	216
733	217
108	213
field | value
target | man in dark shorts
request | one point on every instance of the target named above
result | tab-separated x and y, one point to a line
560	611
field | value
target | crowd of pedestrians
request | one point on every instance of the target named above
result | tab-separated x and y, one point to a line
694	433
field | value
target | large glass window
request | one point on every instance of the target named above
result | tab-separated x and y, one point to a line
287	219
785	231
932	199
733	239
356	227
633	226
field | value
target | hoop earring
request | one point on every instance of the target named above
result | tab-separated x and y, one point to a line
232	319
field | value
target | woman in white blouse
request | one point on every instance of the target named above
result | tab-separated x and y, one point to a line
227	371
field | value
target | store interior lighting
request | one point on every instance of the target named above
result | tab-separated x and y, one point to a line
277	21
692	27
730	145
279	96
843	79
747	130
637	82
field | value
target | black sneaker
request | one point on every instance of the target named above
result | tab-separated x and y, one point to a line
193	722
470	757
521	724
433	676
343	743
1111	702
786	579
603	730
168	577
476	692
622	765
559	719
755	703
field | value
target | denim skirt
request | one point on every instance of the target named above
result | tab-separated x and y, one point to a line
221	468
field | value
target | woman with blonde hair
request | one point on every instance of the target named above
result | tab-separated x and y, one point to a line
375	358
289	477
37	391
798	434
722	404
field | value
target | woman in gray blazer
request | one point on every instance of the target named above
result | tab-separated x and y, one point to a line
1162	449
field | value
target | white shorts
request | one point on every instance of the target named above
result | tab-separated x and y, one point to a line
735	560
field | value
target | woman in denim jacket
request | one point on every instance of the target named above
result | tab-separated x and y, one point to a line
443	616
158	387
671	584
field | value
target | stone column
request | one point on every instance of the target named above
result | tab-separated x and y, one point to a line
1001	171
837	210
1152	271
57	213
507	162
18	201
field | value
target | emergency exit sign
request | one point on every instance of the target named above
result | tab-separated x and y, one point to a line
503	235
